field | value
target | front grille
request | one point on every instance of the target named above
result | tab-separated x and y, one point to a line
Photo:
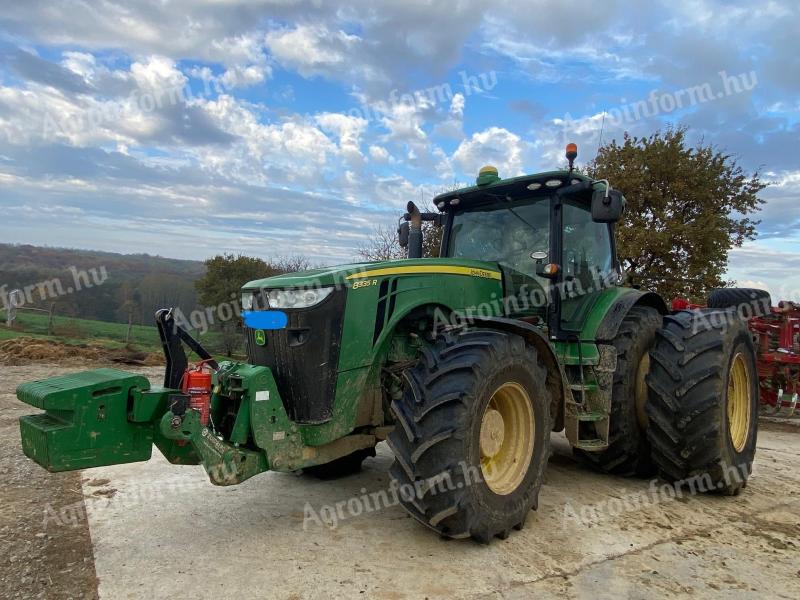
304	358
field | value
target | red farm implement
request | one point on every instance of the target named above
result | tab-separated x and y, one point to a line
778	345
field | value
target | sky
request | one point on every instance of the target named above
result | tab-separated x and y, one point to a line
187	128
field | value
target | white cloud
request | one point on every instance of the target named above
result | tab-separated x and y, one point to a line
312	49
80	63
756	264
243	76
44	115
453	125
457	106
291	150
404	122
349	130
248	141
379	154
495	146
148	106
156	73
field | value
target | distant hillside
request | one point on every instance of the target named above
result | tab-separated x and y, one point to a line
110	284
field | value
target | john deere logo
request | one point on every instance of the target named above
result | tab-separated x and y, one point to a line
261	337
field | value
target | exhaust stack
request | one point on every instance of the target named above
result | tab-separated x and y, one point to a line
414	218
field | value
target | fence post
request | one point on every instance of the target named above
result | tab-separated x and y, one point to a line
15	300
130	326
50	318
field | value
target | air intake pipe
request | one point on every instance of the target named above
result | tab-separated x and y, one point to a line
410	230
414	218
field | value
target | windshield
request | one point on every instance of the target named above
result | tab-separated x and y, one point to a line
503	232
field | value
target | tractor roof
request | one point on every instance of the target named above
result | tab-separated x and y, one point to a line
514	187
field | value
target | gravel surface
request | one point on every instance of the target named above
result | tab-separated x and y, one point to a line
153	530
45	545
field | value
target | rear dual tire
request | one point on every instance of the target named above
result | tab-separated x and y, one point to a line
703	401
756	301
628	452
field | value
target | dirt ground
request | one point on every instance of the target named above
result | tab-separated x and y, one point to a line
40	555
26	350
152	530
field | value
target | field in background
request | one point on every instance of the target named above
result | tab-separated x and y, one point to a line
82	331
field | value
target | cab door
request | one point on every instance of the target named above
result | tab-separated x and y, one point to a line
587	263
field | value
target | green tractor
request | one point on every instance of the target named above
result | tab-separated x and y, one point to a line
463	364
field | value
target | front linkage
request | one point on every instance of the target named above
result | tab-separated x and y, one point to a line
105	416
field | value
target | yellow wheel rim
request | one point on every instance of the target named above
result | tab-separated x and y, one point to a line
506	438
739	402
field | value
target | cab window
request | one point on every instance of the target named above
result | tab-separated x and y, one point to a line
507	233
586	254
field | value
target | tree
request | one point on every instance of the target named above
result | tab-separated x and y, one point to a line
431	240
384	245
687	207
131	306
226	274
381	245
290	264
221	285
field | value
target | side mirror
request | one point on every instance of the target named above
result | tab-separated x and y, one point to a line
607	206
403	233
539	256
548	271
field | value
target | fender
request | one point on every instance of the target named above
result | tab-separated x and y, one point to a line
612	321
556	377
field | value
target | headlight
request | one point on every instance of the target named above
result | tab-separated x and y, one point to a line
297	298
248	299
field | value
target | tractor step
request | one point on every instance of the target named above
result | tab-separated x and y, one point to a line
591	417
594	445
585	387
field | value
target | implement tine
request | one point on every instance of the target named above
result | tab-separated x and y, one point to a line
778	403
793	405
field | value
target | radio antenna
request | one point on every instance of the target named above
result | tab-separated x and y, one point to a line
602	126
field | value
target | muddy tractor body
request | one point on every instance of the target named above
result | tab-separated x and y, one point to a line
464	364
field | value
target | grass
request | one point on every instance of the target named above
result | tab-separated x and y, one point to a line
81	331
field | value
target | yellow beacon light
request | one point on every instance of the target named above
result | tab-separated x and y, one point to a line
572	154
487	175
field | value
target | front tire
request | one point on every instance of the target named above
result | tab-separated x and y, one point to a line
473	434
703	401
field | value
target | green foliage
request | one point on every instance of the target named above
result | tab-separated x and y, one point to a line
136	284
222	283
226	274
687	207
431	239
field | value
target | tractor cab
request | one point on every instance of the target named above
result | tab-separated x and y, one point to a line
552	235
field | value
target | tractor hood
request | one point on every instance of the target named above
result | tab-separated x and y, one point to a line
344	274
